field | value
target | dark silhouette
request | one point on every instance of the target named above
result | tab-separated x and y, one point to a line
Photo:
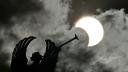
36	58
19	60
46	63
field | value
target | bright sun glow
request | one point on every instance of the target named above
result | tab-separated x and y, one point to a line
93	28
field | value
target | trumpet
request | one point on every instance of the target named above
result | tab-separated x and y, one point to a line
76	37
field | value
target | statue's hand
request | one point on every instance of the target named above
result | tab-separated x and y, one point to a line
51	49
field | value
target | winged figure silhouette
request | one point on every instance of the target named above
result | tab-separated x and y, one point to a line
46	63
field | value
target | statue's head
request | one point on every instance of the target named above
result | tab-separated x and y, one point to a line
36	57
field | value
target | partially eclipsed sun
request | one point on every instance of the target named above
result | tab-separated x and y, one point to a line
93	28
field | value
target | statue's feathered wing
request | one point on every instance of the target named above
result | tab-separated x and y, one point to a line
19	59
48	63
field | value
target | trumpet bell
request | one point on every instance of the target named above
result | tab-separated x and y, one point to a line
76	37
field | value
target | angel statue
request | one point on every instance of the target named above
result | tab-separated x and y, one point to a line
46	63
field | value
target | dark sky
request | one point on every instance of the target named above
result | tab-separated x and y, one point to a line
82	7
9	8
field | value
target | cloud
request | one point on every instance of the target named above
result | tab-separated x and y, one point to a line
113	49
110	55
